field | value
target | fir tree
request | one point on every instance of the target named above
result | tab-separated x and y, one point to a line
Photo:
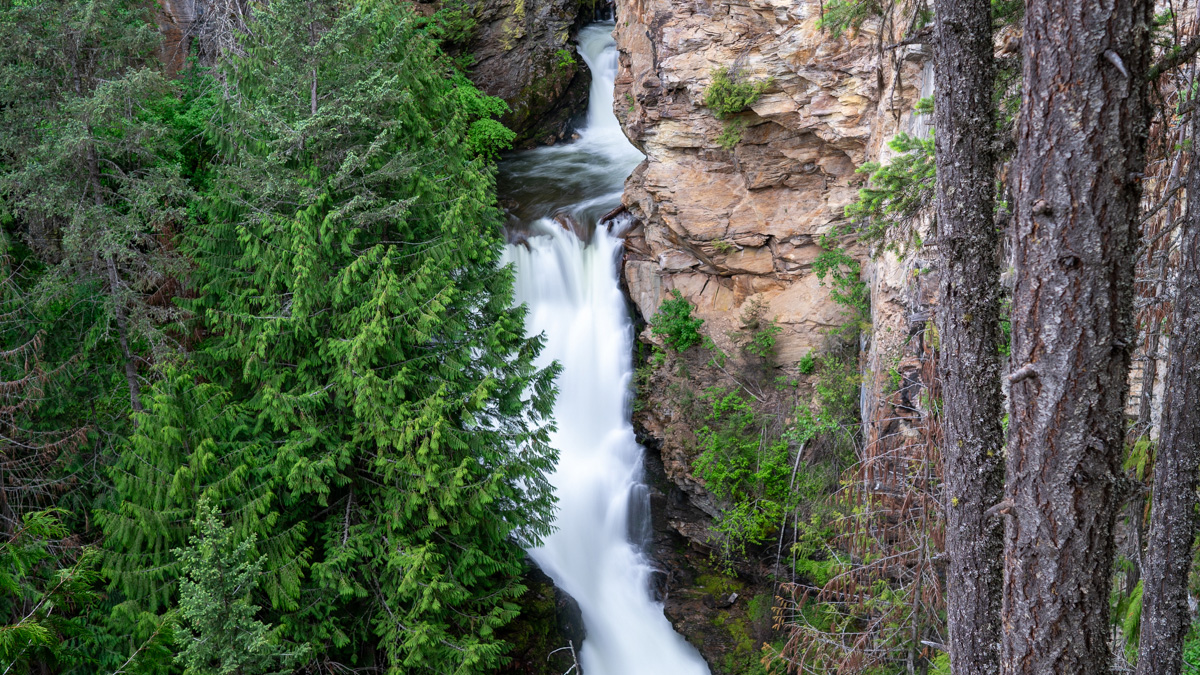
220	634
348	278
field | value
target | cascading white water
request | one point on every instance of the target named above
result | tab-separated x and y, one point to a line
572	292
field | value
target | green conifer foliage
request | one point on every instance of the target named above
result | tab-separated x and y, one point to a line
89	172
350	281
44	589
192	443
220	634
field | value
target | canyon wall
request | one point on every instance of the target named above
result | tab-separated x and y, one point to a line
522	53
736	231
725	226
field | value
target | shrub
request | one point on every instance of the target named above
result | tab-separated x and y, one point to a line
675	324
731	134
740	465
807	364
762	341
565	59
728	94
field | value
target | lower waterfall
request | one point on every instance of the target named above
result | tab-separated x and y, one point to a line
573	295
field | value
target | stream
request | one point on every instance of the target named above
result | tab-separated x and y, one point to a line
570	283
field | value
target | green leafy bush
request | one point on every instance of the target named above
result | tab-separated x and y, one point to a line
565	59
488	138
731	134
727	95
750	467
675	323
485	136
739	464
1191	651
762	341
807	364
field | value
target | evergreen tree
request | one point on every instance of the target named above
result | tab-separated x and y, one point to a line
192	443
45	590
1081	147
220	634
90	174
969	330
369	413
37	460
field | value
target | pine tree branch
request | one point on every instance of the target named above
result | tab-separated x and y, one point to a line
1175	59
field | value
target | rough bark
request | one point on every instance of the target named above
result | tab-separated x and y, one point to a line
969	327
1080	152
1165	616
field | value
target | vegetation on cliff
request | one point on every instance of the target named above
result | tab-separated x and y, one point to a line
910	577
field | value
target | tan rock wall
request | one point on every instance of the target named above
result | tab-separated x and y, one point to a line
725	226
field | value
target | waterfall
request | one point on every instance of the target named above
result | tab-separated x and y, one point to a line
572	291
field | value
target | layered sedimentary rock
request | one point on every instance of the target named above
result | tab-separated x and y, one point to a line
731	229
737	229
723	226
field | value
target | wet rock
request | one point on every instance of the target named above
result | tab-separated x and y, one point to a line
568	223
518	238
523	54
549	627
703	602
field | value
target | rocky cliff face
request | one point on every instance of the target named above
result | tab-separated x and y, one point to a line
732	228
736	231
723	226
523	53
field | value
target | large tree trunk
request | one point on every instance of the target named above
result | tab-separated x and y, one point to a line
1165	616
969	328
1081	147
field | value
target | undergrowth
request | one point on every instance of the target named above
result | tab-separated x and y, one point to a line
675	324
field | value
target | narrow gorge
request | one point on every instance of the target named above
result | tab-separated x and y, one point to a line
735	231
566	274
604	337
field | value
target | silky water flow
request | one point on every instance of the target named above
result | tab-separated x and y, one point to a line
570	286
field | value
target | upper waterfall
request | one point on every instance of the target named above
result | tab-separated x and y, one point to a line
572	291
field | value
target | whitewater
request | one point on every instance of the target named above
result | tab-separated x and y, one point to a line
571	287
